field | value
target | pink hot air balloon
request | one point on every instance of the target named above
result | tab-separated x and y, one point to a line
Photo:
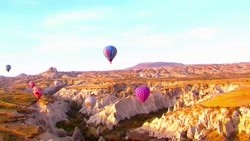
90	102
37	92
142	93
32	84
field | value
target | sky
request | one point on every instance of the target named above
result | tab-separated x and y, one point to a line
71	34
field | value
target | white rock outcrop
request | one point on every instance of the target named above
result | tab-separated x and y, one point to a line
76	95
46	116
196	122
128	107
110	109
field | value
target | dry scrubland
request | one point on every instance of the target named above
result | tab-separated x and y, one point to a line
13	107
236	98
16	98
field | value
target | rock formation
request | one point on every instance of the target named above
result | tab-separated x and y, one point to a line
176	98
46	115
199	123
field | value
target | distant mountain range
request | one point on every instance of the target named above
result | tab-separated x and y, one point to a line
155	65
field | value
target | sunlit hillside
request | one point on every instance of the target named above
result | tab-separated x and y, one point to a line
182	107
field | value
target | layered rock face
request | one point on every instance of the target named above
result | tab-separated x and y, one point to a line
119	103
50	73
46	115
199	124
111	109
76	95
126	108
178	89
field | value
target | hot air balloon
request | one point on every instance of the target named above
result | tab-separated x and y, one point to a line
8	67
37	92
90	102
142	93
57	83
32	84
110	52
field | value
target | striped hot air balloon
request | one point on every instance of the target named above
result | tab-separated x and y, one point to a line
110	52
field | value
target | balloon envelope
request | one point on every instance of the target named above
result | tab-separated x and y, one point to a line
8	67
32	84
142	93
57	83
90	102
37	92
110	52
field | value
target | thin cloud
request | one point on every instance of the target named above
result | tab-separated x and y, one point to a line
138	31
144	14
24	2
86	28
76	16
70	43
148	41
197	33
204	33
145	36
142	37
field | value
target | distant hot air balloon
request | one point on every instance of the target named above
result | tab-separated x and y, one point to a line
8	67
90	102
32	84
142	93
57	83
110	52
37	92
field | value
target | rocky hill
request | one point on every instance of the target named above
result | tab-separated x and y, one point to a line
155	65
199	123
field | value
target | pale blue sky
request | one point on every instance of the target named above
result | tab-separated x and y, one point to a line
71	34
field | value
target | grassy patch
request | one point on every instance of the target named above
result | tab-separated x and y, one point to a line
237	98
94	86
46	99
4	136
10	121
23	99
243	137
20	87
19	130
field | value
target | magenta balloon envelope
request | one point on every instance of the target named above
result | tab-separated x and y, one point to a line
32	84
38	92
142	93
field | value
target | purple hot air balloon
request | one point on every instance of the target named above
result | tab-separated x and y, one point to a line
142	93
110	52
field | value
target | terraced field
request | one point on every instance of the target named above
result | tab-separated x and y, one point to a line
13	111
